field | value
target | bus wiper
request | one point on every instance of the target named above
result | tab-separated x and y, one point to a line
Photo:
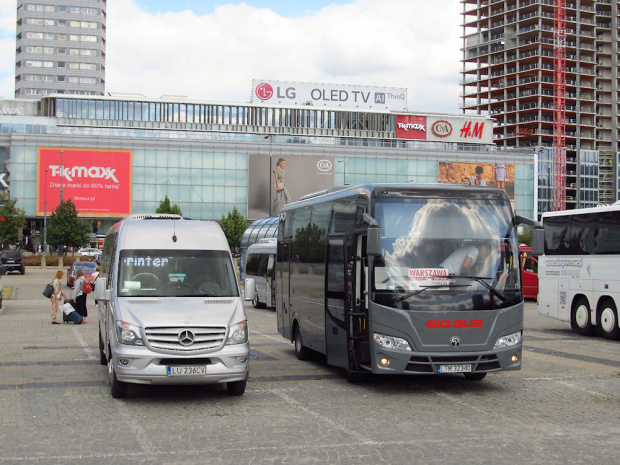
423	288
481	280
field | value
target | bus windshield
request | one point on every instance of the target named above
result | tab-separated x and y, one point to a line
446	254
176	273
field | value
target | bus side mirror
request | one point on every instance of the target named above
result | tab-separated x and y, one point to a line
249	292
538	241
373	242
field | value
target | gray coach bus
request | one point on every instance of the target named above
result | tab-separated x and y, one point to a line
402	279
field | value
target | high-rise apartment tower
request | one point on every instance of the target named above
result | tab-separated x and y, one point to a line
508	73
60	47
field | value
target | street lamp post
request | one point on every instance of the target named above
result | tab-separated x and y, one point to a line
270	170
45	215
62	168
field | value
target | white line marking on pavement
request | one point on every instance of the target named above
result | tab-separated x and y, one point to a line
89	352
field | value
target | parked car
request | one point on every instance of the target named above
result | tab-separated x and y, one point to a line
89	252
88	268
12	260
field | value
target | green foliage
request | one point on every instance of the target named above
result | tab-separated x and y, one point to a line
65	228
166	207
525	235
233	225
310	243
14	219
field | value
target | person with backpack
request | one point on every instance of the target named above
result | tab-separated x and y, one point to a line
81	289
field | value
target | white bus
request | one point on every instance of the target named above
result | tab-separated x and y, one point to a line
579	275
363	277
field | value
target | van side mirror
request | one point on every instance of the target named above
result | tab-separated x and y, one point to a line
249	292
373	241
538	241
101	293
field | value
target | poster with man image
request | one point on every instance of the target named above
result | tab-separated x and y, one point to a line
275	182
499	175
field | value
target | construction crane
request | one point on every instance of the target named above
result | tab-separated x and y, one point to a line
559	105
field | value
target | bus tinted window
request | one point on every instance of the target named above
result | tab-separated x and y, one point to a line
583	234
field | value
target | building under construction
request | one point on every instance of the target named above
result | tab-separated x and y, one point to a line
547	72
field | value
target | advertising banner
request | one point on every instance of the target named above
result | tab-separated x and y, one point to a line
329	95
445	128
499	175
97	181
302	175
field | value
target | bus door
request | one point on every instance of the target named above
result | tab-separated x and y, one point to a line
336	290
283	292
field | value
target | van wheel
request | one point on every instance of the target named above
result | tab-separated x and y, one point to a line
118	389
607	320
236	388
102	357
257	303
580	317
302	352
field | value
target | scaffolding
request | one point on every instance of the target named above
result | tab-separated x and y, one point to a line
559	105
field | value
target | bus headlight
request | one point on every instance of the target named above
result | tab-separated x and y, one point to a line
238	334
508	341
391	342
129	334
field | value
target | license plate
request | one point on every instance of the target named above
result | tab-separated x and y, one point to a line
454	368
187	371
10	261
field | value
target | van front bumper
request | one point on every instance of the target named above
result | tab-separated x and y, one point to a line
141	366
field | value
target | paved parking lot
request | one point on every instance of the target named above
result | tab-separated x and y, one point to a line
563	407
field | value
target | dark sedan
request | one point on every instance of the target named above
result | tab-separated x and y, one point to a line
88	268
12	260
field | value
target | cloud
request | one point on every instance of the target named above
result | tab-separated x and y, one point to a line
389	43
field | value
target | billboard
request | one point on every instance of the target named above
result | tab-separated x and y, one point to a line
304	175
499	175
97	181
445	128
329	95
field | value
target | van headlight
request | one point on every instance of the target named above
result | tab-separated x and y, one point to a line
391	342
129	334
508	341
238	333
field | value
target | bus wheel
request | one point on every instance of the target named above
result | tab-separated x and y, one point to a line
580	317
302	352
474	376
607	320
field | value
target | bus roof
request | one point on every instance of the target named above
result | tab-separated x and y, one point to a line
582	211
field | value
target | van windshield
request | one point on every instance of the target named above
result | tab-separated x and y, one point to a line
176	273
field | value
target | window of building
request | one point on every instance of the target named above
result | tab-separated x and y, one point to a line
62	8
34	35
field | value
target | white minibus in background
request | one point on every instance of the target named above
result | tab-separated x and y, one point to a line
260	261
579	273
170	310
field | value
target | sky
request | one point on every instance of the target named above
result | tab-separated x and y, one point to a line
211	50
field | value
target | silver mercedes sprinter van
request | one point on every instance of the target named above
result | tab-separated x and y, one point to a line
169	305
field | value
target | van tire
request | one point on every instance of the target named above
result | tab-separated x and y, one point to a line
236	388
118	389
474	376
102	357
257	303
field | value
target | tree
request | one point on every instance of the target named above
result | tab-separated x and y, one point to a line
11	219
65	228
233	225
166	207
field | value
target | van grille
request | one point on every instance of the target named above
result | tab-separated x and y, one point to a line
189	339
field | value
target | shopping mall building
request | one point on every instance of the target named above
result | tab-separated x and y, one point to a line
122	154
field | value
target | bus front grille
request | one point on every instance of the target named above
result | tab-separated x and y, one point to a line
428	364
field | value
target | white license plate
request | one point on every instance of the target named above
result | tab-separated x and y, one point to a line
454	368
187	371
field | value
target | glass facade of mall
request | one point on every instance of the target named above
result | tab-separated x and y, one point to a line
203	155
